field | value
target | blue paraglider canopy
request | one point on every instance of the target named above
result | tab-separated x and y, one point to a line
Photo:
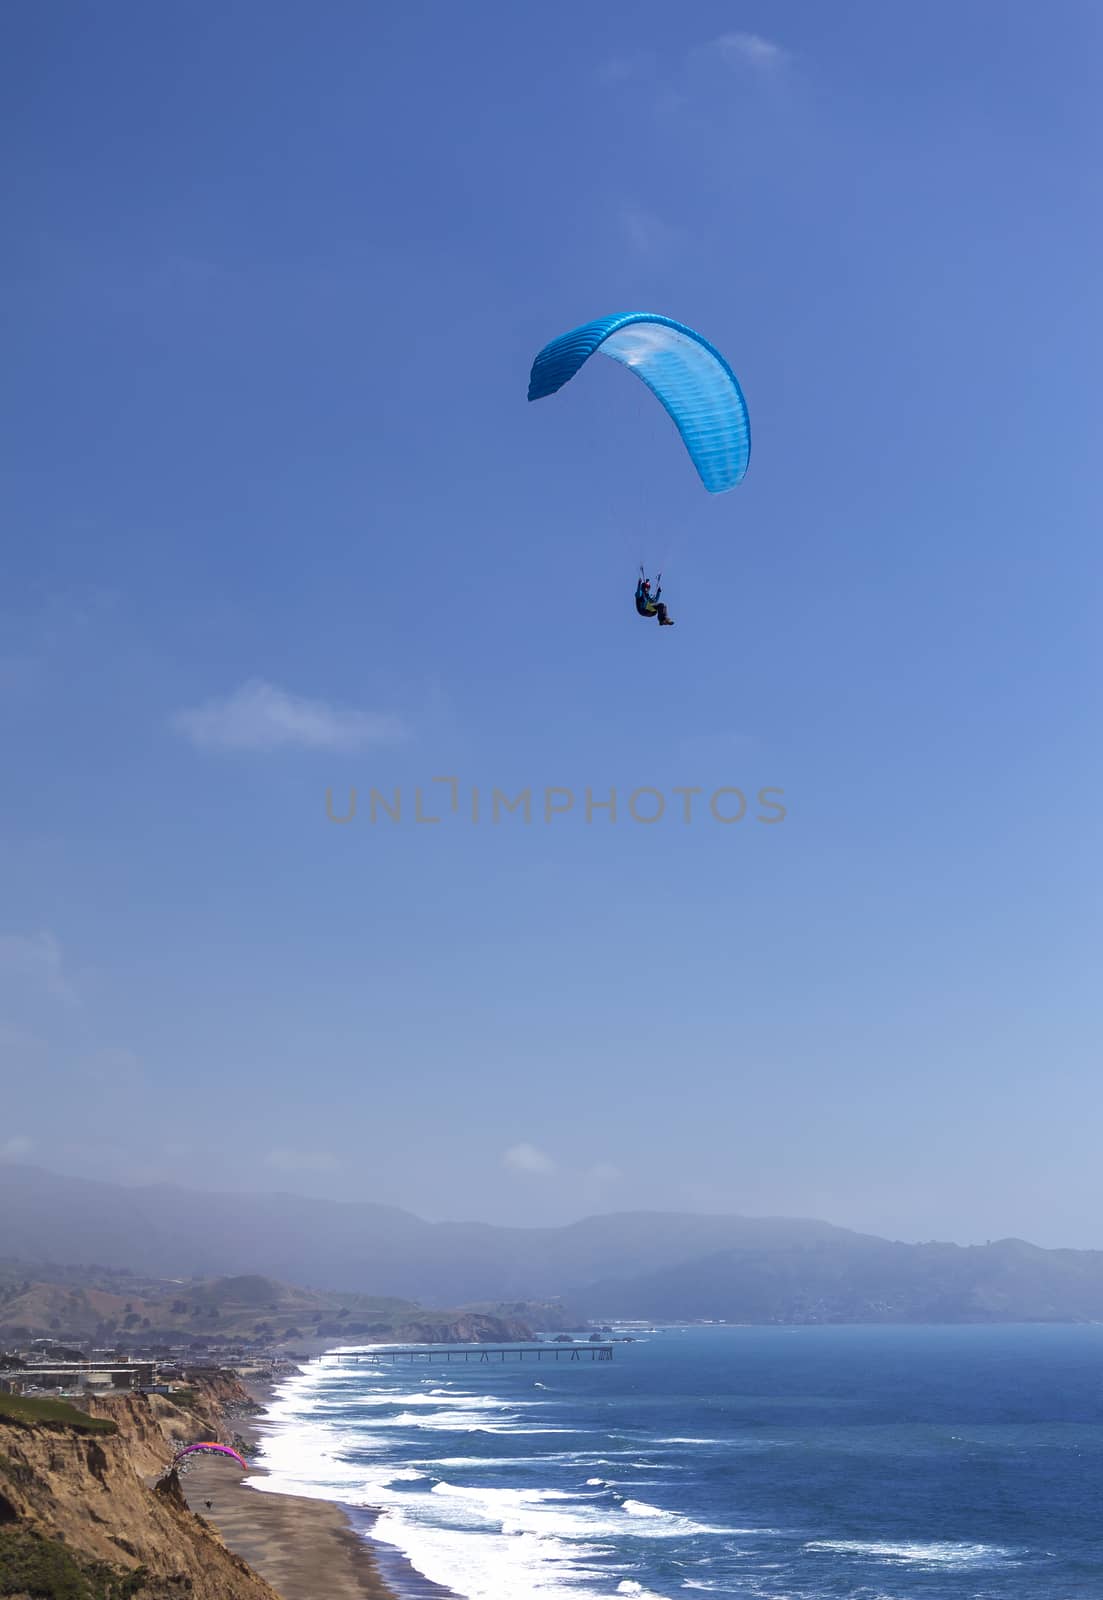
691	379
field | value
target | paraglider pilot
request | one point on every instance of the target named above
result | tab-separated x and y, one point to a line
648	604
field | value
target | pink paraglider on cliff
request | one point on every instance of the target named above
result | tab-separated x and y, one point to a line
210	1445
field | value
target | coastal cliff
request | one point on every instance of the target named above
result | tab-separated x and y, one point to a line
447	1327
86	1512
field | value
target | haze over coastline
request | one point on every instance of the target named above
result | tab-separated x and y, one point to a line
648	1264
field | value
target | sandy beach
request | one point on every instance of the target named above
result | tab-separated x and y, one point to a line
305	1548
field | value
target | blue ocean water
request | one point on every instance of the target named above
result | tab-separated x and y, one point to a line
786	1464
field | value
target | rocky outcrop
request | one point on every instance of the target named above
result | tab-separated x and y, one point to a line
466	1328
441	1327
96	1498
470	1327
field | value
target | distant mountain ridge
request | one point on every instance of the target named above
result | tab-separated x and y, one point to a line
656	1265
869	1280
351	1245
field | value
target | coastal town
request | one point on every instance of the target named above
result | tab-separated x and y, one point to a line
69	1369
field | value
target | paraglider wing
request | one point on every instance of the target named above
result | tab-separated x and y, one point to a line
691	379
218	1449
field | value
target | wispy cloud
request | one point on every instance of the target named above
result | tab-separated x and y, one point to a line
283	1160
527	1158
36	959
648	234
747	49
716	77
17	1148
260	716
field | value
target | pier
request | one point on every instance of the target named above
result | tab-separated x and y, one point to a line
479	1353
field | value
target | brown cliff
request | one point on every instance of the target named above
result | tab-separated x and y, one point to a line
68	1494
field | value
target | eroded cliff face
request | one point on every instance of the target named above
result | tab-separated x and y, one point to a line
99	1495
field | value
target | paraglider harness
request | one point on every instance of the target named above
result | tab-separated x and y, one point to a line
648	604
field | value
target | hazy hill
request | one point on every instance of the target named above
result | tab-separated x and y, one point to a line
245	1307
867	1280
645	1264
329	1245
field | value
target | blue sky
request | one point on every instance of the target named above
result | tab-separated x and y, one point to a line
278	519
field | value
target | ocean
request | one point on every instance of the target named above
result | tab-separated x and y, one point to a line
779	1463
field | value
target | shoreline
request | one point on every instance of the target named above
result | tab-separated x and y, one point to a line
305	1548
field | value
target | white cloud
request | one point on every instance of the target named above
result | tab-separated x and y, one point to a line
748	48
17	1148
36	959
302	1161
260	716
527	1158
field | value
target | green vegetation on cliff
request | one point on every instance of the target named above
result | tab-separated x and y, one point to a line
29	1412
45	1569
